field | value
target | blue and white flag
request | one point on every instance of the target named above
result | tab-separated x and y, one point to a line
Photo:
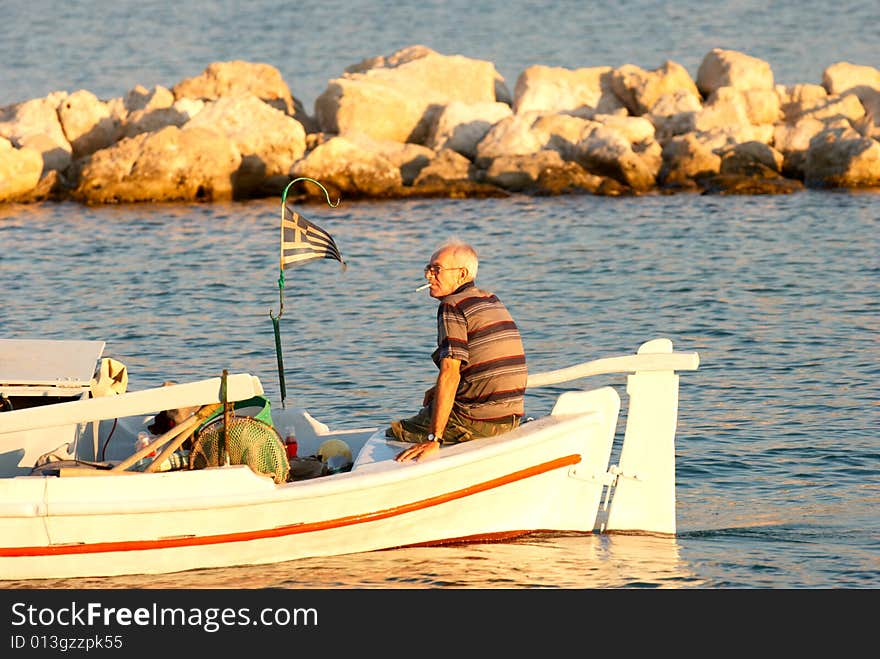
303	241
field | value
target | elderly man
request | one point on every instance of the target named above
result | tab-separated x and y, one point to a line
482	365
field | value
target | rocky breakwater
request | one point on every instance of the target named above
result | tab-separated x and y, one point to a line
420	123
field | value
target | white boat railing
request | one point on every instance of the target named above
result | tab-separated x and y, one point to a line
641	362
240	386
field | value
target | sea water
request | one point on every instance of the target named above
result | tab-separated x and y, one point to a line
777	442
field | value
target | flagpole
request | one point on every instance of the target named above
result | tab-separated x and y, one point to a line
276	319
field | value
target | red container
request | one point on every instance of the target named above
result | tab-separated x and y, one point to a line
290	445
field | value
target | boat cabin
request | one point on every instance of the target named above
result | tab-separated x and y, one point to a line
37	372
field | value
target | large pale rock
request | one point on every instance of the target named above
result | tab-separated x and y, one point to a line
446	167
52	185
725	136
55	156
562	132
842	77
686	159
750	158
449	174
677	124
792	140
149	120
869	125
408	158
395	59
641	90
87	123
570	178
634	129
116	107
728	106
750	167
790	137
35	123
760	181
651	154
20	170
139	98
548	89
762	105
842	159
547	172
461	126
268	139
375	108
398	101
673	114
168	165
723	120
144	110
415	52
795	100
606	152
725	107
848	107
676	102
717	125
730	68
345	167
236	78
520	172
512	136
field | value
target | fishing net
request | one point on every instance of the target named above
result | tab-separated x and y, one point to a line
248	441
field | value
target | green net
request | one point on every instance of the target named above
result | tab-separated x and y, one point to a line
249	441
258	406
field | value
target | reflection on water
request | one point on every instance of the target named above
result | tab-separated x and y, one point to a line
536	561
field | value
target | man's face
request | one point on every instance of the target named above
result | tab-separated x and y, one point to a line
444	273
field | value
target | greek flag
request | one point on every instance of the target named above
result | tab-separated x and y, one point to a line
303	241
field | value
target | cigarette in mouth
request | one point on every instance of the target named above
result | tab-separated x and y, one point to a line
422	287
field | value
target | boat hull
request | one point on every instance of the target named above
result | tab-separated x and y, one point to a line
546	475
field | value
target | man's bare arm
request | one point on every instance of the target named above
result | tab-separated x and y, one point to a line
444	396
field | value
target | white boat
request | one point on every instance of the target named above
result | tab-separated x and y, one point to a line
94	515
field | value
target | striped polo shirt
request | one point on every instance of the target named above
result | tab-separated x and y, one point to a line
475	327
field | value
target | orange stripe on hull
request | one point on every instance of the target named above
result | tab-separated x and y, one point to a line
292	529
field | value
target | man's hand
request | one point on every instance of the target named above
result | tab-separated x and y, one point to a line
418	451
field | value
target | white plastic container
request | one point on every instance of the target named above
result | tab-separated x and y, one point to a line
144	439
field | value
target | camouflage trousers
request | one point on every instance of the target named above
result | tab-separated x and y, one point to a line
458	429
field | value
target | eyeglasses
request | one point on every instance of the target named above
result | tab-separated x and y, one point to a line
435	269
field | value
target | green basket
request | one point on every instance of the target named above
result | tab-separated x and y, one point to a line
258	407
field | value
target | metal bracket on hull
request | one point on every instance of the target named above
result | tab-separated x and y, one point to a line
608	478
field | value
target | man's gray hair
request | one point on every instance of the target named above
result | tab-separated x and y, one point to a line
465	255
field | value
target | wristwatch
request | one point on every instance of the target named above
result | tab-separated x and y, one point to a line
433	438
